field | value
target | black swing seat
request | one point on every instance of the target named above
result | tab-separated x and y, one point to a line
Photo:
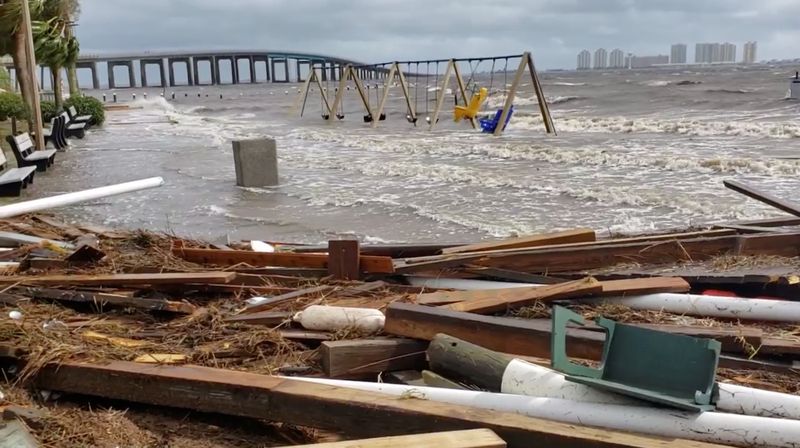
27	155
77	119
13	180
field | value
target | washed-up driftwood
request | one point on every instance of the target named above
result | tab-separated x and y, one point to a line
519	297
781	204
123	279
285	298
102	300
353	412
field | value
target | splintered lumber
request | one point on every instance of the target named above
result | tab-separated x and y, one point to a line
624	287
358	357
507	335
101	300
352	412
369	264
124	279
268	318
583	256
505	299
546	239
344	259
790	207
476	438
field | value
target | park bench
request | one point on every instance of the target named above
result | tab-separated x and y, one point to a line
27	155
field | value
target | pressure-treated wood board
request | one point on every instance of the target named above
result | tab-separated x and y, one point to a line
353	412
101	300
124	279
639	286
358	357
545	239
476	438
505	299
272	302
369	264
781	204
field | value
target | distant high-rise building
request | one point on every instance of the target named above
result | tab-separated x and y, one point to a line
678	54
749	56
727	53
648	61
600	58
707	53
616	59
584	60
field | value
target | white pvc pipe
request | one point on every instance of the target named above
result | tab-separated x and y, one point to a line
713	427
524	378
335	318
714	306
463	283
61	200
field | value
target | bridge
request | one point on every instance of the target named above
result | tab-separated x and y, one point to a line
263	66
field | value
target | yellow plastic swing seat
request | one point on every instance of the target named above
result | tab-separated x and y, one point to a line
472	109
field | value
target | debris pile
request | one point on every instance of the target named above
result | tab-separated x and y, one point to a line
118	338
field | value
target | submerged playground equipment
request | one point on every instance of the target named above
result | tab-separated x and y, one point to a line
470	97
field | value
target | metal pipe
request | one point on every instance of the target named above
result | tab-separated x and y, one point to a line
36	205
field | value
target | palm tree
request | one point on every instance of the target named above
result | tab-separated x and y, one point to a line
55	47
12	41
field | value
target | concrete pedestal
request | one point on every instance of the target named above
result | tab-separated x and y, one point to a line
256	162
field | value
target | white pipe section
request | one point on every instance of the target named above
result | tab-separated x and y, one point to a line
524	378
36	205
714	306
464	283
713	427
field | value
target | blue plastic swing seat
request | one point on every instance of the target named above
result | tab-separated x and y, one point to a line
488	125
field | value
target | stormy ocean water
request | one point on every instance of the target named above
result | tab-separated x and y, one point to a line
636	151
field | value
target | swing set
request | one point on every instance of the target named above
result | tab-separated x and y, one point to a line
470	98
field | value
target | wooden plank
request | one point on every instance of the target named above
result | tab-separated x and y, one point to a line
476	438
344	259
544	239
272	302
352	412
369	264
433	379
639	286
789	207
780	244
19	239
510	298
124	279
101	300
371	356
437	109
513	276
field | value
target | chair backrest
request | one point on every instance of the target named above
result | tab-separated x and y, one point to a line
23	143
72	111
3	160
66	118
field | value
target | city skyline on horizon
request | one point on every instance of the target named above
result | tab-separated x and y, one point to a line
704	53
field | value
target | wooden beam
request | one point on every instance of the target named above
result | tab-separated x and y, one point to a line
352	412
781	204
476	438
639	286
463	89
101	300
369	264
124	279
343	259
545	239
512	92
503	334
362	93
357	357
382	104
440	94
506	299
537	87
340	91
267	318
409	105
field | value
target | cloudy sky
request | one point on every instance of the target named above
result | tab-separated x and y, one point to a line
379	30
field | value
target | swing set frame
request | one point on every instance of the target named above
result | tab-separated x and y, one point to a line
397	76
